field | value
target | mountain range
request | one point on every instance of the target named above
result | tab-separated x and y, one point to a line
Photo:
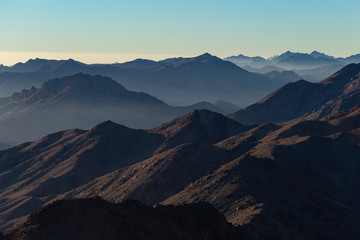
82	101
291	181
312	67
283	168
177	81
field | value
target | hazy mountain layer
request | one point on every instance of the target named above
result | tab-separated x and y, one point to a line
312	67
81	101
177	81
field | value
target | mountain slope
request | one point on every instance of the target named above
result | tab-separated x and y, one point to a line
301	177
303	99
325	150
129	220
32	174
270	203
157	178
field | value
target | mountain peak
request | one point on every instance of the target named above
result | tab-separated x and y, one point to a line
82	82
199	126
205	55
107	127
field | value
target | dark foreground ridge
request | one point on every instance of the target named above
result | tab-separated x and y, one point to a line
95	218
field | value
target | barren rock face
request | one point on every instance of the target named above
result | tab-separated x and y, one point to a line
292	181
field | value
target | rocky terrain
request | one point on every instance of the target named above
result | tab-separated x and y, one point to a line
292	181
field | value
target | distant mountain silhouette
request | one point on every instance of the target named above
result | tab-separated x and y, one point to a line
286	76
317	54
319	73
177	81
225	106
303	99
97	219
274	181
256	62
302	61
312	67
81	101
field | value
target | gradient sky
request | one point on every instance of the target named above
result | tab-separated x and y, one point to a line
117	30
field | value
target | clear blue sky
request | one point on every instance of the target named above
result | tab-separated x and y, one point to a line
163	28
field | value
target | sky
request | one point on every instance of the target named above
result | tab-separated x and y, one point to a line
116	30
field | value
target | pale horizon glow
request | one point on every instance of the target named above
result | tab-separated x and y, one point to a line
11	58
105	31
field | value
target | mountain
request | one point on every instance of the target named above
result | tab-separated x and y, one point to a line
203	127
301	177
292	181
320	73
302	61
243	61
128	220
312	67
307	100
270	203
157	178
352	59
81	101
35	173
286	76
324	149
317	54
177	81
225	106
264	70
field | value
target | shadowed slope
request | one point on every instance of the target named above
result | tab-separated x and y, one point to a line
271	203
129	220
155	179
